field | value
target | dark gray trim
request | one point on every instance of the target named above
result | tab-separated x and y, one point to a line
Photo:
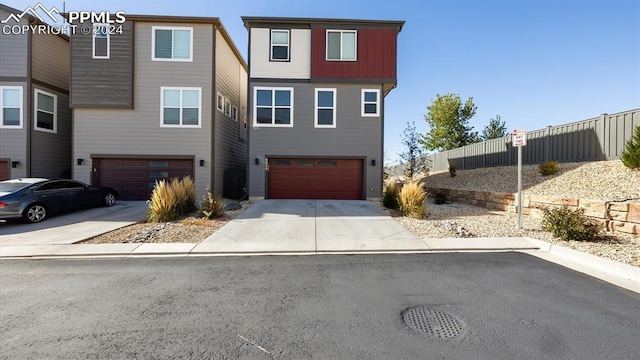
249	114
257	21
354	80
14	78
301	81
125	156
133	68
289	45
381	160
50	86
214	107
28	119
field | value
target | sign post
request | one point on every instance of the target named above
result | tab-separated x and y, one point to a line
519	140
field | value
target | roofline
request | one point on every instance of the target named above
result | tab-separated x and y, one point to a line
191	20
31	19
249	20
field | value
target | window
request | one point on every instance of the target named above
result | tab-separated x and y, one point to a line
325	111
45	110
234	113
11	107
341	45
279	45
304	162
370	102
227	107
273	106
158	164
327	163
220	102
101	41
180	107
172	43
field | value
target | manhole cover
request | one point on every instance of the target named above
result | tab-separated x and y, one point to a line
433	322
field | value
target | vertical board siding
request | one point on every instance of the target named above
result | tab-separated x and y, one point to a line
138	131
230	150
376	56
298	66
354	136
13	142
50	60
104	82
13	51
601	138
51	153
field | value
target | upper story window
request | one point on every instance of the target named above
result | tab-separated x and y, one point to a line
227	107
342	45
46	111
370	102
234	113
273	106
101	41
180	107
279	45
325	110
220	102
11	107
172	43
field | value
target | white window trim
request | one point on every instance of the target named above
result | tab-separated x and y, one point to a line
355	51
153	43
20	88
162	124
315	108
220	102
234	113
255	106
362	102
94	42
227	107
272	44
35	111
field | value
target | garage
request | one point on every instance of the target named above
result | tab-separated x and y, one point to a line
4	170
134	178
315	178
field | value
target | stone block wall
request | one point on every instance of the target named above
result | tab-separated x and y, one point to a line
615	216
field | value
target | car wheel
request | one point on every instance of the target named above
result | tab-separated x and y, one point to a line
35	213
109	199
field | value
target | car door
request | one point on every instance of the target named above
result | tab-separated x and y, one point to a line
53	195
82	195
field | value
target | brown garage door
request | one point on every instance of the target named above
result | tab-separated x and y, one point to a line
4	170
315	179
134	178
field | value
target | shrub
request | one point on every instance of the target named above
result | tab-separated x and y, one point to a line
630	156
439	198
548	168
390	195
569	224
411	201
212	206
162	206
452	170
185	192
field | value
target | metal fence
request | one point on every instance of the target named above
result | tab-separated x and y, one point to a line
599	138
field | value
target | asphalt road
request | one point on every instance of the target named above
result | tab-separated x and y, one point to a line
507	306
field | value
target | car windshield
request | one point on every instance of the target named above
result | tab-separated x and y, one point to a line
7	186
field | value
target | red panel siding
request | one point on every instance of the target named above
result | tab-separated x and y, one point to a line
376	56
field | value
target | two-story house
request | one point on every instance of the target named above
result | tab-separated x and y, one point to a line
158	97
35	119
316	106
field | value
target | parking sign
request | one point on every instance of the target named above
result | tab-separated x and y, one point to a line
519	137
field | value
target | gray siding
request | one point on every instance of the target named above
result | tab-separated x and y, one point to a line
51	153
50	60
230	148
354	136
138	131
104	83
13	142
13	50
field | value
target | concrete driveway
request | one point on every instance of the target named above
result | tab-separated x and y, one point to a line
311	226
73	227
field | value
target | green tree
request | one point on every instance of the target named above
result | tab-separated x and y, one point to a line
630	156
496	129
448	120
413	156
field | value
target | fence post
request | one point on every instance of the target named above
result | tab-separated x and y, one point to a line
602	139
